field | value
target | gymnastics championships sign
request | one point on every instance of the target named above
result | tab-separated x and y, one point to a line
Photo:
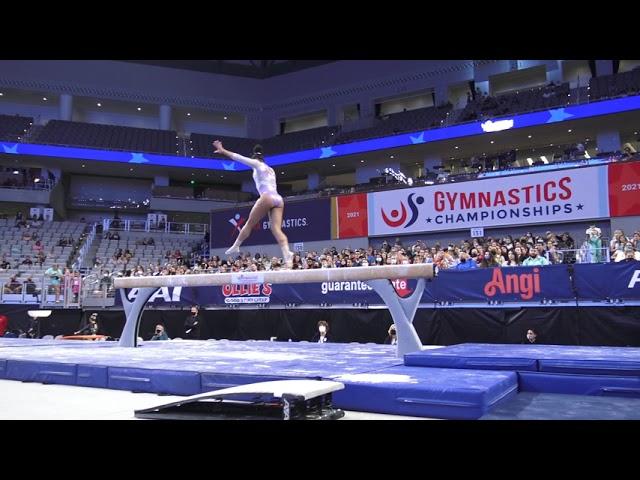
550	197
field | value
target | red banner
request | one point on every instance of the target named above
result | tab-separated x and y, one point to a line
624	189
352	216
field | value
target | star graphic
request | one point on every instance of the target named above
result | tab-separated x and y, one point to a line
558	115
429	220
327	152
229	166
138	158
579	206
8	149
418	139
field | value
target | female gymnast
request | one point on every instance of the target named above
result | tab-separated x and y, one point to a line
270	202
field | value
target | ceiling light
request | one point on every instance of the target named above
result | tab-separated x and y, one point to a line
188	114
529	136
99	104
139	109
44	98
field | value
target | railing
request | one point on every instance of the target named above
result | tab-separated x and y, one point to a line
98	291
46	292
41	185
148	226
584	254
85	248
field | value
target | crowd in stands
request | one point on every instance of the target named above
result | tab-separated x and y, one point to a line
527	250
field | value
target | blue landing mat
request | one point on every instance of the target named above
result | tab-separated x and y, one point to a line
375	378
186	367
426	392
595	385
25	342
551	406
615	361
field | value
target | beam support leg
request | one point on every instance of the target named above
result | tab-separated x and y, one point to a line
402	311
133	311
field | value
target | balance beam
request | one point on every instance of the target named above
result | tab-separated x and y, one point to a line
379	278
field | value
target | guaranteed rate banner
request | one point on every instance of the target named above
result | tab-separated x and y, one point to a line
302	221
560	196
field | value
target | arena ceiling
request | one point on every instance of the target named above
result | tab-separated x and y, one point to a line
240	68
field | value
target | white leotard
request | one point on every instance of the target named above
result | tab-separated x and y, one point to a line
263	175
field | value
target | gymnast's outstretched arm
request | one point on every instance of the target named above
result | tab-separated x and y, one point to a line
250	162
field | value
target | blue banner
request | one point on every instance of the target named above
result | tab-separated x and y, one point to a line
506	285
302	221
512	284
610	281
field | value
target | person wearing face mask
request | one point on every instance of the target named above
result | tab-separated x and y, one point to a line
392	337
322	335
466	262
160	333
192	324
531	337
91	328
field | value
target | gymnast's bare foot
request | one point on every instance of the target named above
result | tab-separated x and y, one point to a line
288	259
233	249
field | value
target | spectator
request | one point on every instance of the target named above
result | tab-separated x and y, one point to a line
37	247
322	335
192	324
530	337
55	276
594	244
13	285
534	259
160	333
466	262
392	337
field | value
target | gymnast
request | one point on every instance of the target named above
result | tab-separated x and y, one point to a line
270	202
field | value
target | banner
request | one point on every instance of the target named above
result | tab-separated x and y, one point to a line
610	281
507	284
590	282
624	189
559	196
308	220
351	216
